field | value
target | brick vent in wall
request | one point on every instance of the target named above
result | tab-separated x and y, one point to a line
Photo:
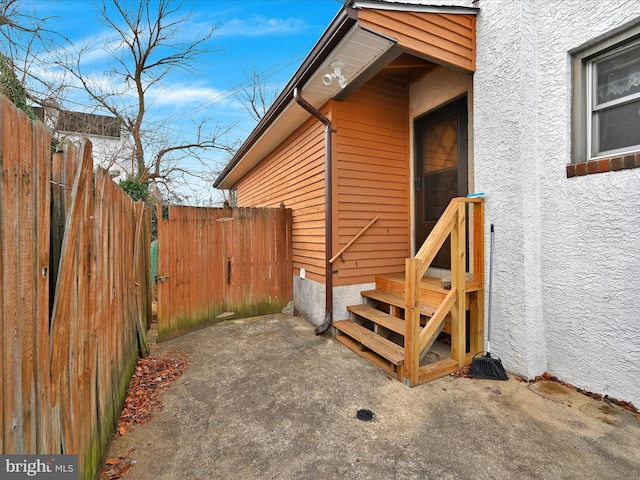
603	165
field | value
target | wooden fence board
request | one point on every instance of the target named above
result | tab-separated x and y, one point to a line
19	254
12	409
74	295
141	273
86	282
103	312
91	439
42	215
214	262
3	241
65	311
4	244
26	261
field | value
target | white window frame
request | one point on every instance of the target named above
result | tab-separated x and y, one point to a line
582	99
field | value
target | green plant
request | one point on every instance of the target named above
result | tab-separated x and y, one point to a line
11	87
135	189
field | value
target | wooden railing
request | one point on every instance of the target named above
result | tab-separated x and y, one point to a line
453	222
353	240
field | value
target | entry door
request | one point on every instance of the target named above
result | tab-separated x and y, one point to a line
441	169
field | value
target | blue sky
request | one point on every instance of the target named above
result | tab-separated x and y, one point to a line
271	37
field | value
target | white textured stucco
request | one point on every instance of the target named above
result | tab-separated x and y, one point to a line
567	264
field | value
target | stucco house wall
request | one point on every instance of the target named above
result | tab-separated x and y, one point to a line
567	267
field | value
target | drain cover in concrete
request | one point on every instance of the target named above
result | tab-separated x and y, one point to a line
364	415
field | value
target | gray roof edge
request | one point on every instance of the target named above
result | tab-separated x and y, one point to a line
413	7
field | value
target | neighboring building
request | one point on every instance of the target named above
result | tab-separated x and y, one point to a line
533	102
112	148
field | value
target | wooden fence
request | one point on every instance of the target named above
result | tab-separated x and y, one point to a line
221	263
74	287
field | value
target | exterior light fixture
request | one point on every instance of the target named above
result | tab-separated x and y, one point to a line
336	65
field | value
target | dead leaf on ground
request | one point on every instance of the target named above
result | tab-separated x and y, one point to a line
462	372
151	377
117	467
596	396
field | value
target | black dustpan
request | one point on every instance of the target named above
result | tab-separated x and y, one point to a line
488	366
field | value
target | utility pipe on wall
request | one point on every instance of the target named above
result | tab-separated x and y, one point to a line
328	318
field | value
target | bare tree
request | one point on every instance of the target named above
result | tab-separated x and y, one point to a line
146	49
256	95
24	43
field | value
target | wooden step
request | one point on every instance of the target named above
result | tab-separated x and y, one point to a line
396	300
431	292
372	357
376	316
383	347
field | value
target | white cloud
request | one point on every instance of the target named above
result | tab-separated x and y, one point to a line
96	54
179	95
260	26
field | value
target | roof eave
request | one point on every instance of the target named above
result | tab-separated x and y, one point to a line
344	28
345	19
413	7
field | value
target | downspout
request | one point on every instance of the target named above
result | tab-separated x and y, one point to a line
328	317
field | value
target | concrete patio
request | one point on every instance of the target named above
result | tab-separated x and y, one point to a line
264	398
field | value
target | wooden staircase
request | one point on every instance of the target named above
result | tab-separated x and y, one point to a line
376	328
400	320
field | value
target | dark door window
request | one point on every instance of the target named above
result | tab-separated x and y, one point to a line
441	169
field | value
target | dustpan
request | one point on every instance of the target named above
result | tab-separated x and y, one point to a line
487	366
483	364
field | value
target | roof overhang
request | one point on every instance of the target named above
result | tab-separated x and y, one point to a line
363	51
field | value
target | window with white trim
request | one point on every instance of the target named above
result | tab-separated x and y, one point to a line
606	98
614	84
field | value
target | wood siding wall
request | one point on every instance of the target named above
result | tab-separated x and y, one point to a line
445	38
293	174
371	178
